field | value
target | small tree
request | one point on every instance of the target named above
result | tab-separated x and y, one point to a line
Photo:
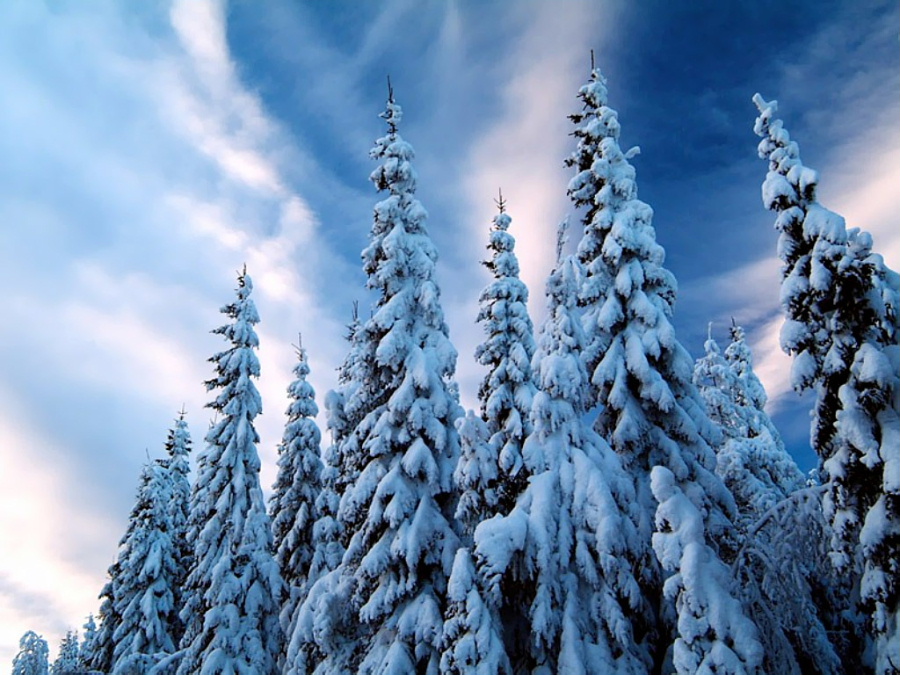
714	634
296	489
67	661
88	644
508	388
144	597
234	587
33	655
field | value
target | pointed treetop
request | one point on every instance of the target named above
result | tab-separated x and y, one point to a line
500	202
182	412
593	65
393	114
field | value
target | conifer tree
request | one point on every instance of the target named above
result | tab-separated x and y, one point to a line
178	448
102	658
403	449
67	659
88	642
714	634
296	488
144	597
476	475
558	564
508	389
648	408
33	655
841	303
752	459
234	587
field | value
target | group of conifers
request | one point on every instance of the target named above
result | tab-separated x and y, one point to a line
612	508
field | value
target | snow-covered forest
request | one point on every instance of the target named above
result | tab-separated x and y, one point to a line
613	506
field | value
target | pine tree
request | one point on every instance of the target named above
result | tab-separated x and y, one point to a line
647	406
476	475
67	659
558	564
397	511
33	655
144	597
234	588
296	489
88	644
508	389
841	303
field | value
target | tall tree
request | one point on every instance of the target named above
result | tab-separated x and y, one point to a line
67	659
508	388
33	655
144	597
647	406
841	304
234	588
397	512
297	486
178	448
102	658
558	564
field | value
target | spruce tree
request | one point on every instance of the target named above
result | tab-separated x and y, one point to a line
234	588
508	388
144	597
559	564
102	658
752	459
841	303
88	644
397	511
476	475
178	448
33	655
67	659
296	489
647	406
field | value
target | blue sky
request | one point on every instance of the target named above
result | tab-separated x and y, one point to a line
148	150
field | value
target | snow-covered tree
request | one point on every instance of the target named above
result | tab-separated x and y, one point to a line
647	406
476	474
714	634
473	640
752	459
403	449
33	655
178	448
297	486
88	644
67	660
559	565
144	596
102	657
508	388
841	304
234	588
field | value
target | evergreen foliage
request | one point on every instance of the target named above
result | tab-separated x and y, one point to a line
296	489
33	655
234	588
144	596
841	302
397	511
88	642
67	660
558	565
178	449
648	408
508	388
